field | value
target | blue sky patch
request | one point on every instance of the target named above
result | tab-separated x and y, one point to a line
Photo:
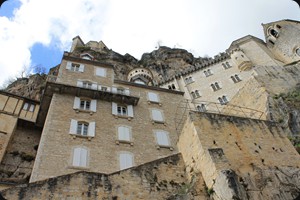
8	7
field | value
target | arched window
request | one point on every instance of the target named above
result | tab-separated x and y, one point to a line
225	100
217	85
201	108
193	95
274	33
197	94
213	87
220	100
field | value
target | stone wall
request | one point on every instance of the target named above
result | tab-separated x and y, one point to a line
161	179
240	157
17	163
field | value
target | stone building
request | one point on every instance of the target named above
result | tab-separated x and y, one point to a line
115	129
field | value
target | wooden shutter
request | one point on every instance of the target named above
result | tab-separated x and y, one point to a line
73	126
157	115
76	157
94	86
81	68
123	133
153	97
162	138
79	84
126	160
130	110
76	103
91	129
114	90
114	108
69	65
100	71
93	105
83	157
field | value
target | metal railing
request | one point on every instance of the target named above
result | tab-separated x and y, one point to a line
186	106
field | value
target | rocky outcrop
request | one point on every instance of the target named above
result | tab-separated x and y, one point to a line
30	87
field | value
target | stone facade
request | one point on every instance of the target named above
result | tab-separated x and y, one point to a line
233	155
113	129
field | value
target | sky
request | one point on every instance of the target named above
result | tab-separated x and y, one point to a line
37	32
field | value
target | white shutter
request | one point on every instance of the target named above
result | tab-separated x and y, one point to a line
162	138
31	108
91	129
79	84
94	105
73	126
25	107
153	97
130	110
83	157
123	133
76	157
76	103
100	71
94	86
157	115
99	87
125	160
114	108
81	68
69	65
108	89
127	92
114	90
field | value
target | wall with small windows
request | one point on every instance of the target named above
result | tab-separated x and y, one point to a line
107	136
83	72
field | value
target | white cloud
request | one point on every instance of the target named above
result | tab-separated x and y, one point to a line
134	26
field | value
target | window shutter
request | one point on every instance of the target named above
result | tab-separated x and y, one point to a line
81	68
114	108
157	115
125	160
94	86
76	157
94	105
99	87
25	107
127	92
153	97
91	129
76	103
83	157
108	89
162	138
73	126
124	133
69	65
100	71
130	110
31	108
79	84
114	90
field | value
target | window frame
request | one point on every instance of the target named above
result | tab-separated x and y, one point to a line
153	97
77	104
91	128
127	130
29	107
129	110
101	73
74	67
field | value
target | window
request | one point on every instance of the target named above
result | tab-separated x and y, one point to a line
223	100
201	108
274	33
126	160
120	90
298	51
80	157
86	56
100	71
207	73
188	80
85	104
28	107
172	87
82	128
122	110
75	67
124	133
215	86
226	65
153	97
157	115
195	94
235	78
87	84
162	138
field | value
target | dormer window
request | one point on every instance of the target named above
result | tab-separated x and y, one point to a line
298	51
86	57
274	33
